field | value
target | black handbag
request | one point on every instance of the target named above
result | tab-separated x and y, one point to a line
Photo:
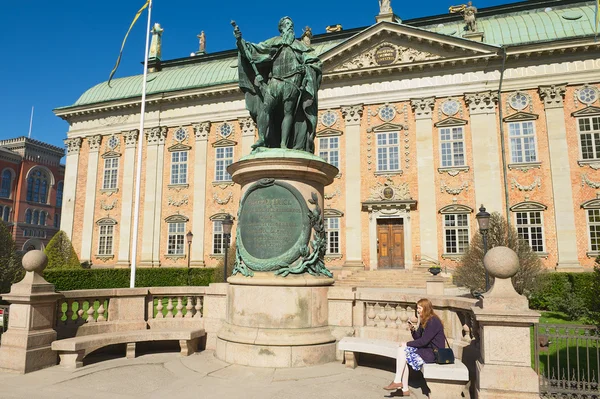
443	355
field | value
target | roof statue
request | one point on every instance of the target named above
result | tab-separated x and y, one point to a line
306	36
468	12
202	45
280	78
156	44
385	7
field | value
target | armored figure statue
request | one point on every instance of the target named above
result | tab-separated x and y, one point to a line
280	78
469	16
385	7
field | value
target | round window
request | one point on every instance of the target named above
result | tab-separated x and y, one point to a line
518	101
113	142
225	129
450	107
587	95
328	118
180	134
387	113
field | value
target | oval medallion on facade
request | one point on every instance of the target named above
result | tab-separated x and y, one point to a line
386	55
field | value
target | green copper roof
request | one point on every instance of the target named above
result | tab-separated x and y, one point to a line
529	26
203	74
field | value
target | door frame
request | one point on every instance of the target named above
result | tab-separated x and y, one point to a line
390	213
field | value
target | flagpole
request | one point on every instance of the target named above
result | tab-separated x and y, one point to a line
30	122
138	178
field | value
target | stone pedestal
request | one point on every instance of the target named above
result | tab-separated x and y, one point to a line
504	370
277	313
26	344
435	286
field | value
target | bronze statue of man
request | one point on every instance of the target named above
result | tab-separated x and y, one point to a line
280	79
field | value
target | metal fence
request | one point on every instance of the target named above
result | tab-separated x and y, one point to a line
3	319
567	360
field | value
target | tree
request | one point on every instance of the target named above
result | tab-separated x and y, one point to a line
60	252
218	276
10	262
471	273
594	309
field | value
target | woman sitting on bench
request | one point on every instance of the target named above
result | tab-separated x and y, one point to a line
427	334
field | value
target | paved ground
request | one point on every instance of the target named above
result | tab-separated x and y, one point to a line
167	375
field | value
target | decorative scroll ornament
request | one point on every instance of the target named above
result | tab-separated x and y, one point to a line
201	130
222	201
131	137
94	142
585	180
73	145
157	135
454	190
536	183
332	195
388	191
386	54
183	201
108	207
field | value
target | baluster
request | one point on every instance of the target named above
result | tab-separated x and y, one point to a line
371	314
159	308
79	310
404	317
90	312
179	307
101	312
170	308
198	307
189	308
393	316
69	311
466	333
381	316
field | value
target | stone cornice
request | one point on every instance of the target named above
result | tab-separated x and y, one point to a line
248	127
156	135
352	114
553	95
73	145
94	142
423	107
131	138
482	102
201	131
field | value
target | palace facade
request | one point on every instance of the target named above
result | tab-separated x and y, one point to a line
426	119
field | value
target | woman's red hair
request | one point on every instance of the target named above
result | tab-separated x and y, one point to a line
428	312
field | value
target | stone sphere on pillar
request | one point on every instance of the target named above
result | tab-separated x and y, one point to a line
501	262
35	261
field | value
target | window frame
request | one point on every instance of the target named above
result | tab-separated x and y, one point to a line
223	163
521	138
452	143
59	193
106	239
217	233
110	176
387	147
529	226
329	231
176	238
6	184
595	141
456	228
328	151
181	166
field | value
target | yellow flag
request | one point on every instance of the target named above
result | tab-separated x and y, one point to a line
125	39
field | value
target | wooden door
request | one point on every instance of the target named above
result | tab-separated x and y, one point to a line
390	243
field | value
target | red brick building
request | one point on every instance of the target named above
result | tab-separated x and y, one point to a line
31	187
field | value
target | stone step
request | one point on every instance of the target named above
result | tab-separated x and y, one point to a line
390	278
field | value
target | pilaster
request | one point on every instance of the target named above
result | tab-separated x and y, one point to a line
201	132
248	130
154	168
129	160
487	168
72	164
428	225
562	190
352	115
90	199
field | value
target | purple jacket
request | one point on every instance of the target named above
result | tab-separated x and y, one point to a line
425	339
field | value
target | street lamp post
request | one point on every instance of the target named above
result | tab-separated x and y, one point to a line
483	219
227	224
189	236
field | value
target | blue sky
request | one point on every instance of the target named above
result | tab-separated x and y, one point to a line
55	50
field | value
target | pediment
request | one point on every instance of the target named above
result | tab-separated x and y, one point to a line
177	218
224	143
386	127
107	221
521	116
388	45
179	147
456	208
587	111
451	121
332	213
111	154
591	204
528	206
220	216
329	132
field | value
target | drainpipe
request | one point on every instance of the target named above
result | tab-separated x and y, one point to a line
502	141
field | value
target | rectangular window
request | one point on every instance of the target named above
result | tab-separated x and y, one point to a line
332	226
175	243
224	159
217	238
111	169
522	142
179	167
105	243
329	150
589	137
594	229
388	151
456	233
529	229
452	146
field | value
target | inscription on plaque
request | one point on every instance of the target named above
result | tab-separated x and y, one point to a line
270	222
385	55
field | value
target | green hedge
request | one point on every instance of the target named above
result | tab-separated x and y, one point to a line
571	293
86	279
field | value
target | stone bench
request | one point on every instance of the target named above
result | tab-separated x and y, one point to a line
73	350
446	380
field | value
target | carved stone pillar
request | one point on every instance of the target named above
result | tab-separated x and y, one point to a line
353	115
128	184
151	226
561	176
201	131
90	199
70	189
428	224
248	130
487	169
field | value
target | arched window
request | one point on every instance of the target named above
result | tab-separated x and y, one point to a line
6	213
44	192
36	217
56	220
59	194
36	187
28	216
30	188
43	218
6	184
38	183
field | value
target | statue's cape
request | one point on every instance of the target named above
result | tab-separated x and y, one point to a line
262	55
